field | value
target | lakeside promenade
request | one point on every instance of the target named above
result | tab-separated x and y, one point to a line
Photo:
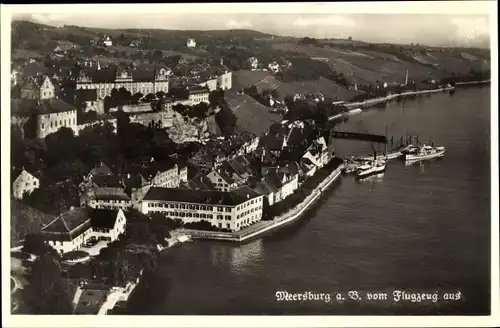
265	226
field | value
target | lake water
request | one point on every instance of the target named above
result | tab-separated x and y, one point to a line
421	228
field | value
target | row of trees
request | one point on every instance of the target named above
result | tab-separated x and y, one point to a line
277	209
262	97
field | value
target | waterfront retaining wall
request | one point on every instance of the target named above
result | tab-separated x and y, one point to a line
265	226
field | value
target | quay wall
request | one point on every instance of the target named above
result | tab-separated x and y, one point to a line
265	226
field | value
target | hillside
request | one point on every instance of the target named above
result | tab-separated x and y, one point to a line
24	220
368	63
265	80
252	116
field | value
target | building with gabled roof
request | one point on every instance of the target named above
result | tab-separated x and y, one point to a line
232	210
104	80
24	182
72	229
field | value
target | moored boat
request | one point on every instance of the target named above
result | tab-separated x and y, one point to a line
425	152
374	168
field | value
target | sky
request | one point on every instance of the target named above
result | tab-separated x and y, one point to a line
449	28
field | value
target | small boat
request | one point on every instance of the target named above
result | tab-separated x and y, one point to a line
374	168
425	152
183	238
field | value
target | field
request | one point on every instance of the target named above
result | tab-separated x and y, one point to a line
366	66
265	80
252	116
261	79
326	87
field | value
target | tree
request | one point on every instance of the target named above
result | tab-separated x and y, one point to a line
35	244
275	93
46	292
160	94
149	97
349	38
157	55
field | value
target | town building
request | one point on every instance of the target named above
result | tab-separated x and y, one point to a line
277	186
274	67
100	120
318	153
24	182
101	198
211	84
49	115
71	230
254	62
225	80
161	120
222	180
233	210
105	80
191	43
38	88
90	100
107	42
164	173
206	159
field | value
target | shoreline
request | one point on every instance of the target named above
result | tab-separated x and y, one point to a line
374	101
265	226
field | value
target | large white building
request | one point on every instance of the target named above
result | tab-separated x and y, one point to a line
38	102
191	43
72	229
233	210
105	80
23	183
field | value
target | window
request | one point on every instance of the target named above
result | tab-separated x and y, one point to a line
228	209
228	217
43	126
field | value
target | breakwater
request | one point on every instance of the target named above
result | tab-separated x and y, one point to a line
378	100
266	226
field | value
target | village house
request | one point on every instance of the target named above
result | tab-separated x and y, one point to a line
201	182
71	230
277	186
14	77
254	62
206	159
165	173
24	183
38	88
225	80
191	43
222	180
318	153
90	100
107	42
232	210
274	67
107	79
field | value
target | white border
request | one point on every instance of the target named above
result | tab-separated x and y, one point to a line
423	7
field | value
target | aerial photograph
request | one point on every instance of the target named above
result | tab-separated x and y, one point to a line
250	163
